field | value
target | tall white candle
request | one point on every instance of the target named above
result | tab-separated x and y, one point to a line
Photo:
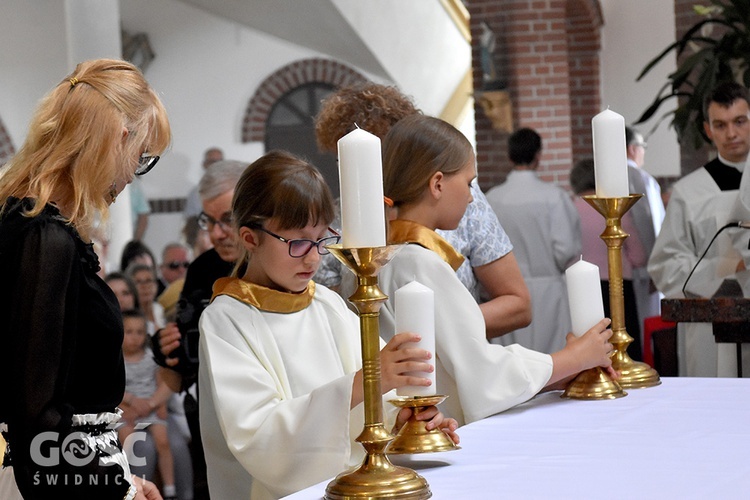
415	312
361	181
610	156
584	296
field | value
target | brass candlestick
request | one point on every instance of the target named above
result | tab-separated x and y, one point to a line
414	436
634	375
376	477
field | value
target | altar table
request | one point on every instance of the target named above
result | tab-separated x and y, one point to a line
688	438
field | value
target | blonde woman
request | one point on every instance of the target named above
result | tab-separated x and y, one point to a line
63	372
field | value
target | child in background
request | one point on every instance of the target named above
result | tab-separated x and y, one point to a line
146	284
124	288
428	167
146	395
280	376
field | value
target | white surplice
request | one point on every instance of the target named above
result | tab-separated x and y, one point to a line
696	211
275	391
480	378
545	229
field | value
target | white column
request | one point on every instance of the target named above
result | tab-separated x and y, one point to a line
93	31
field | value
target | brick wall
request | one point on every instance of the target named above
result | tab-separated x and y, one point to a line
277	84
548	55
286	79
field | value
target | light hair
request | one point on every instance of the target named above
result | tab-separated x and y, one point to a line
220	178
175	244
417	147
74	149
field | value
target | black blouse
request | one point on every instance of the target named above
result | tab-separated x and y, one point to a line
61	336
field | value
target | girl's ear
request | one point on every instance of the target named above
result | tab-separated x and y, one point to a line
248	238
435	185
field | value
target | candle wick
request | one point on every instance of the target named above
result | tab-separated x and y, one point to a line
355	124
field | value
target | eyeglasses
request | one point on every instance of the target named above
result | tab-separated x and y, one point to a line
298	248
207	223
145	164
176	265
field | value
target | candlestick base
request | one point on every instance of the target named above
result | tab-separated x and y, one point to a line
376	477
634	374
593	384
414	436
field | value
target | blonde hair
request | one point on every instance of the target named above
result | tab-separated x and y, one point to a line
417	147
75	149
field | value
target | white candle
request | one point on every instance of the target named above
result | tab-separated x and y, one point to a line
610	156
361	181
584	296
415	312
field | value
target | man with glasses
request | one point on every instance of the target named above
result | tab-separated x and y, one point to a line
176	345
175	259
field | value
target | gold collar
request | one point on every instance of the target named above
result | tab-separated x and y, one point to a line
264	298
406	231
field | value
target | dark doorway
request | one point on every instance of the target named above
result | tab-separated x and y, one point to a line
290	127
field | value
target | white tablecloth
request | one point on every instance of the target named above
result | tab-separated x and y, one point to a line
687	438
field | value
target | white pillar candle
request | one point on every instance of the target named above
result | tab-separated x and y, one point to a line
415	312
361	181
584	296
610	156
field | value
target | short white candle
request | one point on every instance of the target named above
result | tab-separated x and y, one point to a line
361	181
610	156
415	312
584	296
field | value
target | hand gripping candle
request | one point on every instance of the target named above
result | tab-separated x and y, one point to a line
584	296
415	312
361	181
610	155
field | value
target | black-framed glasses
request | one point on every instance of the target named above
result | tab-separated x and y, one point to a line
145	164
207	223
300	247
177	264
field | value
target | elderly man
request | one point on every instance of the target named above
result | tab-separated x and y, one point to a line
176	345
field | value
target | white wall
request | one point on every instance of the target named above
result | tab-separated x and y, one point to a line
207	68
421	49
636	31
33	58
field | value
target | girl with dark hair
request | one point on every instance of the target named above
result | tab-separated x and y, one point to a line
280	374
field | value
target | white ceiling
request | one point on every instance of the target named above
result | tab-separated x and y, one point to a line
315	24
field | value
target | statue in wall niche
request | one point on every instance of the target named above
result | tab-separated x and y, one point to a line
494	100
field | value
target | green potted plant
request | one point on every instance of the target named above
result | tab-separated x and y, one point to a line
715	49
